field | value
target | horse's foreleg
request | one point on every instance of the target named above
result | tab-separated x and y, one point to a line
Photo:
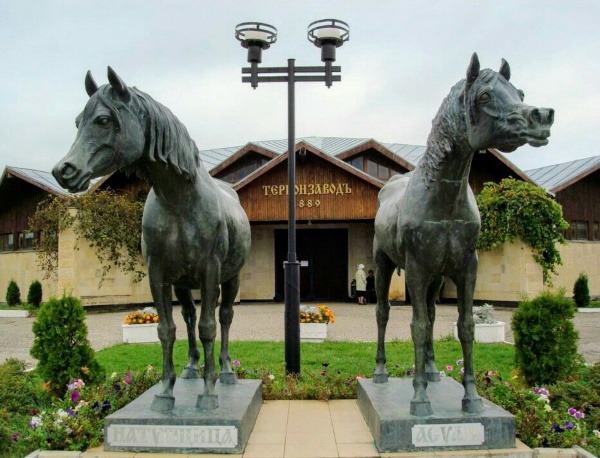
161	293
208	330
419	328
385	270
465	284
432	373
188	310
229	290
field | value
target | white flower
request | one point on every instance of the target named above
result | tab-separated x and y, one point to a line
271	377
442	374
114	375
547	408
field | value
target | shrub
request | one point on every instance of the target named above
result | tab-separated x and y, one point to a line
61	345
13	294
18	393
34	295
581	291
545	338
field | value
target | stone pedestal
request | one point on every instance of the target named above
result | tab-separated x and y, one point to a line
186	429
386	409
313	332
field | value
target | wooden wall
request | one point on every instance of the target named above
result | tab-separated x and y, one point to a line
581	201
324	192
18	201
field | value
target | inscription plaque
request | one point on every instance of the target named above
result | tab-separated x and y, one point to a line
172	436
448	435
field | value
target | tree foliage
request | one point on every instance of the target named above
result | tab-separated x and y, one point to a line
34	295
581	291
13	294
545	338
109	222
515	209
61	345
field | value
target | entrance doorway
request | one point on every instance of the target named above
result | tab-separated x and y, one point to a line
323	254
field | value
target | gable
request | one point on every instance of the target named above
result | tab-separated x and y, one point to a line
326	189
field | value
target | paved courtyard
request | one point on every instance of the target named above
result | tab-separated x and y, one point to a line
265	322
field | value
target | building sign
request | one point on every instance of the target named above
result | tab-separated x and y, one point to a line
172	436
448	435
308	189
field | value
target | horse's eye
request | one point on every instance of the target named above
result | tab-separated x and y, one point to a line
102	120
484	97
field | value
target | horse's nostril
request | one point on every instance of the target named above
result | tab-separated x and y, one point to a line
68	170
535	117
550	115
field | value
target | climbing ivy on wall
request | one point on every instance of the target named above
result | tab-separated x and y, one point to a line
108	221
515	209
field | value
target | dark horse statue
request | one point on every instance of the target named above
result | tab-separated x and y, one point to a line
195	233
428	223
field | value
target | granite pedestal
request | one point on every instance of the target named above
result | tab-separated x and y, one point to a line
186	429
386	409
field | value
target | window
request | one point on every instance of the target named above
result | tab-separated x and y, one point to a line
243	169
26	240
578	230
7	242
357	162
596	230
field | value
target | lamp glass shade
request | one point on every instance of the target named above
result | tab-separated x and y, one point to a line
328	32
257	35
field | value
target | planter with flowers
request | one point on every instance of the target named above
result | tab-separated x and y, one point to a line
141	326
314	321
487	328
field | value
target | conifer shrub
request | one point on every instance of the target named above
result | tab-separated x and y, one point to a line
545	338
61	345
13	294
34	295
581	291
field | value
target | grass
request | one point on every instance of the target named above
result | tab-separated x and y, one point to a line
347	359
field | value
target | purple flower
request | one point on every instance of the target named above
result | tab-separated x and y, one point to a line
459	362
579	415
75	396
462	370
15	437
72	412
571	411
128	380
569	425
410	372
325	364
236	363
557	428
542	391
106	406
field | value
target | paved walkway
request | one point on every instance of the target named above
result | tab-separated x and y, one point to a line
265	322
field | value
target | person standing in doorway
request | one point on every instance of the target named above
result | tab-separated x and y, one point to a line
371	296
361	284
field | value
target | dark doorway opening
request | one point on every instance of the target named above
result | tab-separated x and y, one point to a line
323	254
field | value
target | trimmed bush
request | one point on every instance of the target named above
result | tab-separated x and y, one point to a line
581	291
61	345
545	338
13	294
34	296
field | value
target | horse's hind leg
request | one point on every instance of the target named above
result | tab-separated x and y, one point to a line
385	269
208	331
229	290
188	310
432	373
465	284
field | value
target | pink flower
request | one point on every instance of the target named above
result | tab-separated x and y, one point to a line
236	363
597	433
360	376
128	380
449	368
75	396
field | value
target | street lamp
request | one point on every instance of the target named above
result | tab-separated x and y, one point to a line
327	34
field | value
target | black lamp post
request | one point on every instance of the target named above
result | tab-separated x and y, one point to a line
327	34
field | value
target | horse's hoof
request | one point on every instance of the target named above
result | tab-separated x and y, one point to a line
190	372
474	405
380	378
228	378
433	376
420	408
163	403
207	402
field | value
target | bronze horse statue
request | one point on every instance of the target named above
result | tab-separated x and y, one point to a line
195	233
428	224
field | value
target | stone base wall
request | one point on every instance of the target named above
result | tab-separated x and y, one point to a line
21	266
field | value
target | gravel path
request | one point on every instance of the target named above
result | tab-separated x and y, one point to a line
265	322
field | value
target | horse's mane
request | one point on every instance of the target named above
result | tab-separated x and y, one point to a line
449	126
167	139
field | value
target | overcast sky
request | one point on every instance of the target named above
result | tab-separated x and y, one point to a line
401	61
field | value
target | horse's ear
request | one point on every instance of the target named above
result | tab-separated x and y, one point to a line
118	85
505	70
473	70
90	85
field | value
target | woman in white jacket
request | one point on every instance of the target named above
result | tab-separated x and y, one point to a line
361	284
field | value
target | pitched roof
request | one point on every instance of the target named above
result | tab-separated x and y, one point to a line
39	178
555	178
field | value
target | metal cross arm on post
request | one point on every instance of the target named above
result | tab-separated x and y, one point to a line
298	76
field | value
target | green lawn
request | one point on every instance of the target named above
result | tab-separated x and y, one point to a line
349	358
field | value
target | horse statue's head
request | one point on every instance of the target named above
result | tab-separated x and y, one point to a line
110	135
496	116
119	126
